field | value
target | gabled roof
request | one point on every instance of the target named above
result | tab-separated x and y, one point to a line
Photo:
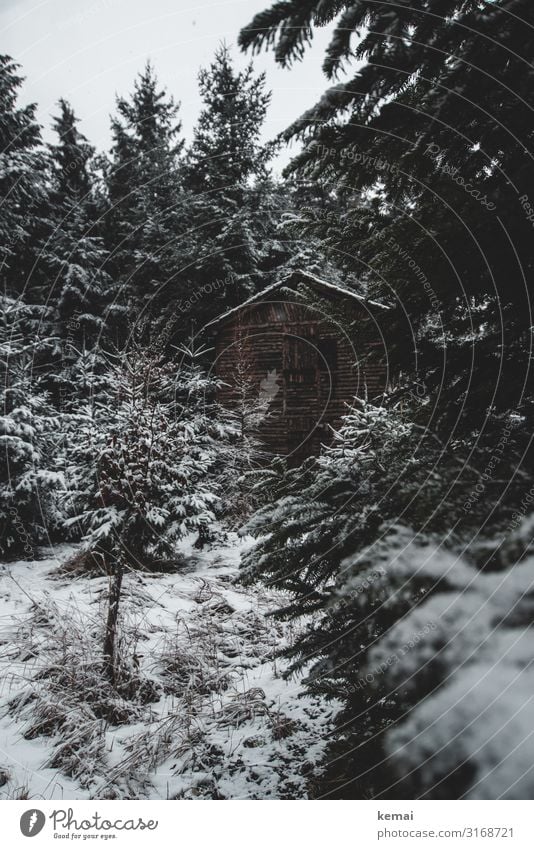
306	277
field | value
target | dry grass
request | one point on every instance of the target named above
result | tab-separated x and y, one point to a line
64	693
184	711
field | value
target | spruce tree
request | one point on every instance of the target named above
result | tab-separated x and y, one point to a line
345	538
23	188
226	176
435	124
145	217
82	293
28	421
152	462
30	512
426	147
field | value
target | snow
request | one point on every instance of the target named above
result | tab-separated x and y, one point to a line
306	277
224	722
461	661
482	722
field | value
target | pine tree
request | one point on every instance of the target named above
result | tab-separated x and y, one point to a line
442	144
71	157
150	465
30	513
233	238
332	537
145	215
24	190
29	425
82	293
426	148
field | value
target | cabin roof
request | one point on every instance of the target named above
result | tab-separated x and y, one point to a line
303	276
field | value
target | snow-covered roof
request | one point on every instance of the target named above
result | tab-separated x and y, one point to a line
306	276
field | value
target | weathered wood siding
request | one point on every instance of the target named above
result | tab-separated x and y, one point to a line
315	364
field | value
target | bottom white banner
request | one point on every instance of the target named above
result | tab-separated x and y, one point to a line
246	824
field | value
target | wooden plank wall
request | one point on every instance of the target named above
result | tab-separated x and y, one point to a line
306	395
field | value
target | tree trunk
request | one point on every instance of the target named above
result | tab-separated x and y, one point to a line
115	585
204	536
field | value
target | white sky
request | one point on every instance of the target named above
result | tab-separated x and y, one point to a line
89	50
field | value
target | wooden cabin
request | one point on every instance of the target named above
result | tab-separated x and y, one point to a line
294	355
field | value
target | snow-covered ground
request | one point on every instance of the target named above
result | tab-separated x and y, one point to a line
206	712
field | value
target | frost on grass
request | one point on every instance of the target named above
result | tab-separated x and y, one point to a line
199	708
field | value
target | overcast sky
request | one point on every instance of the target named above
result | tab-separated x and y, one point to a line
89	50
